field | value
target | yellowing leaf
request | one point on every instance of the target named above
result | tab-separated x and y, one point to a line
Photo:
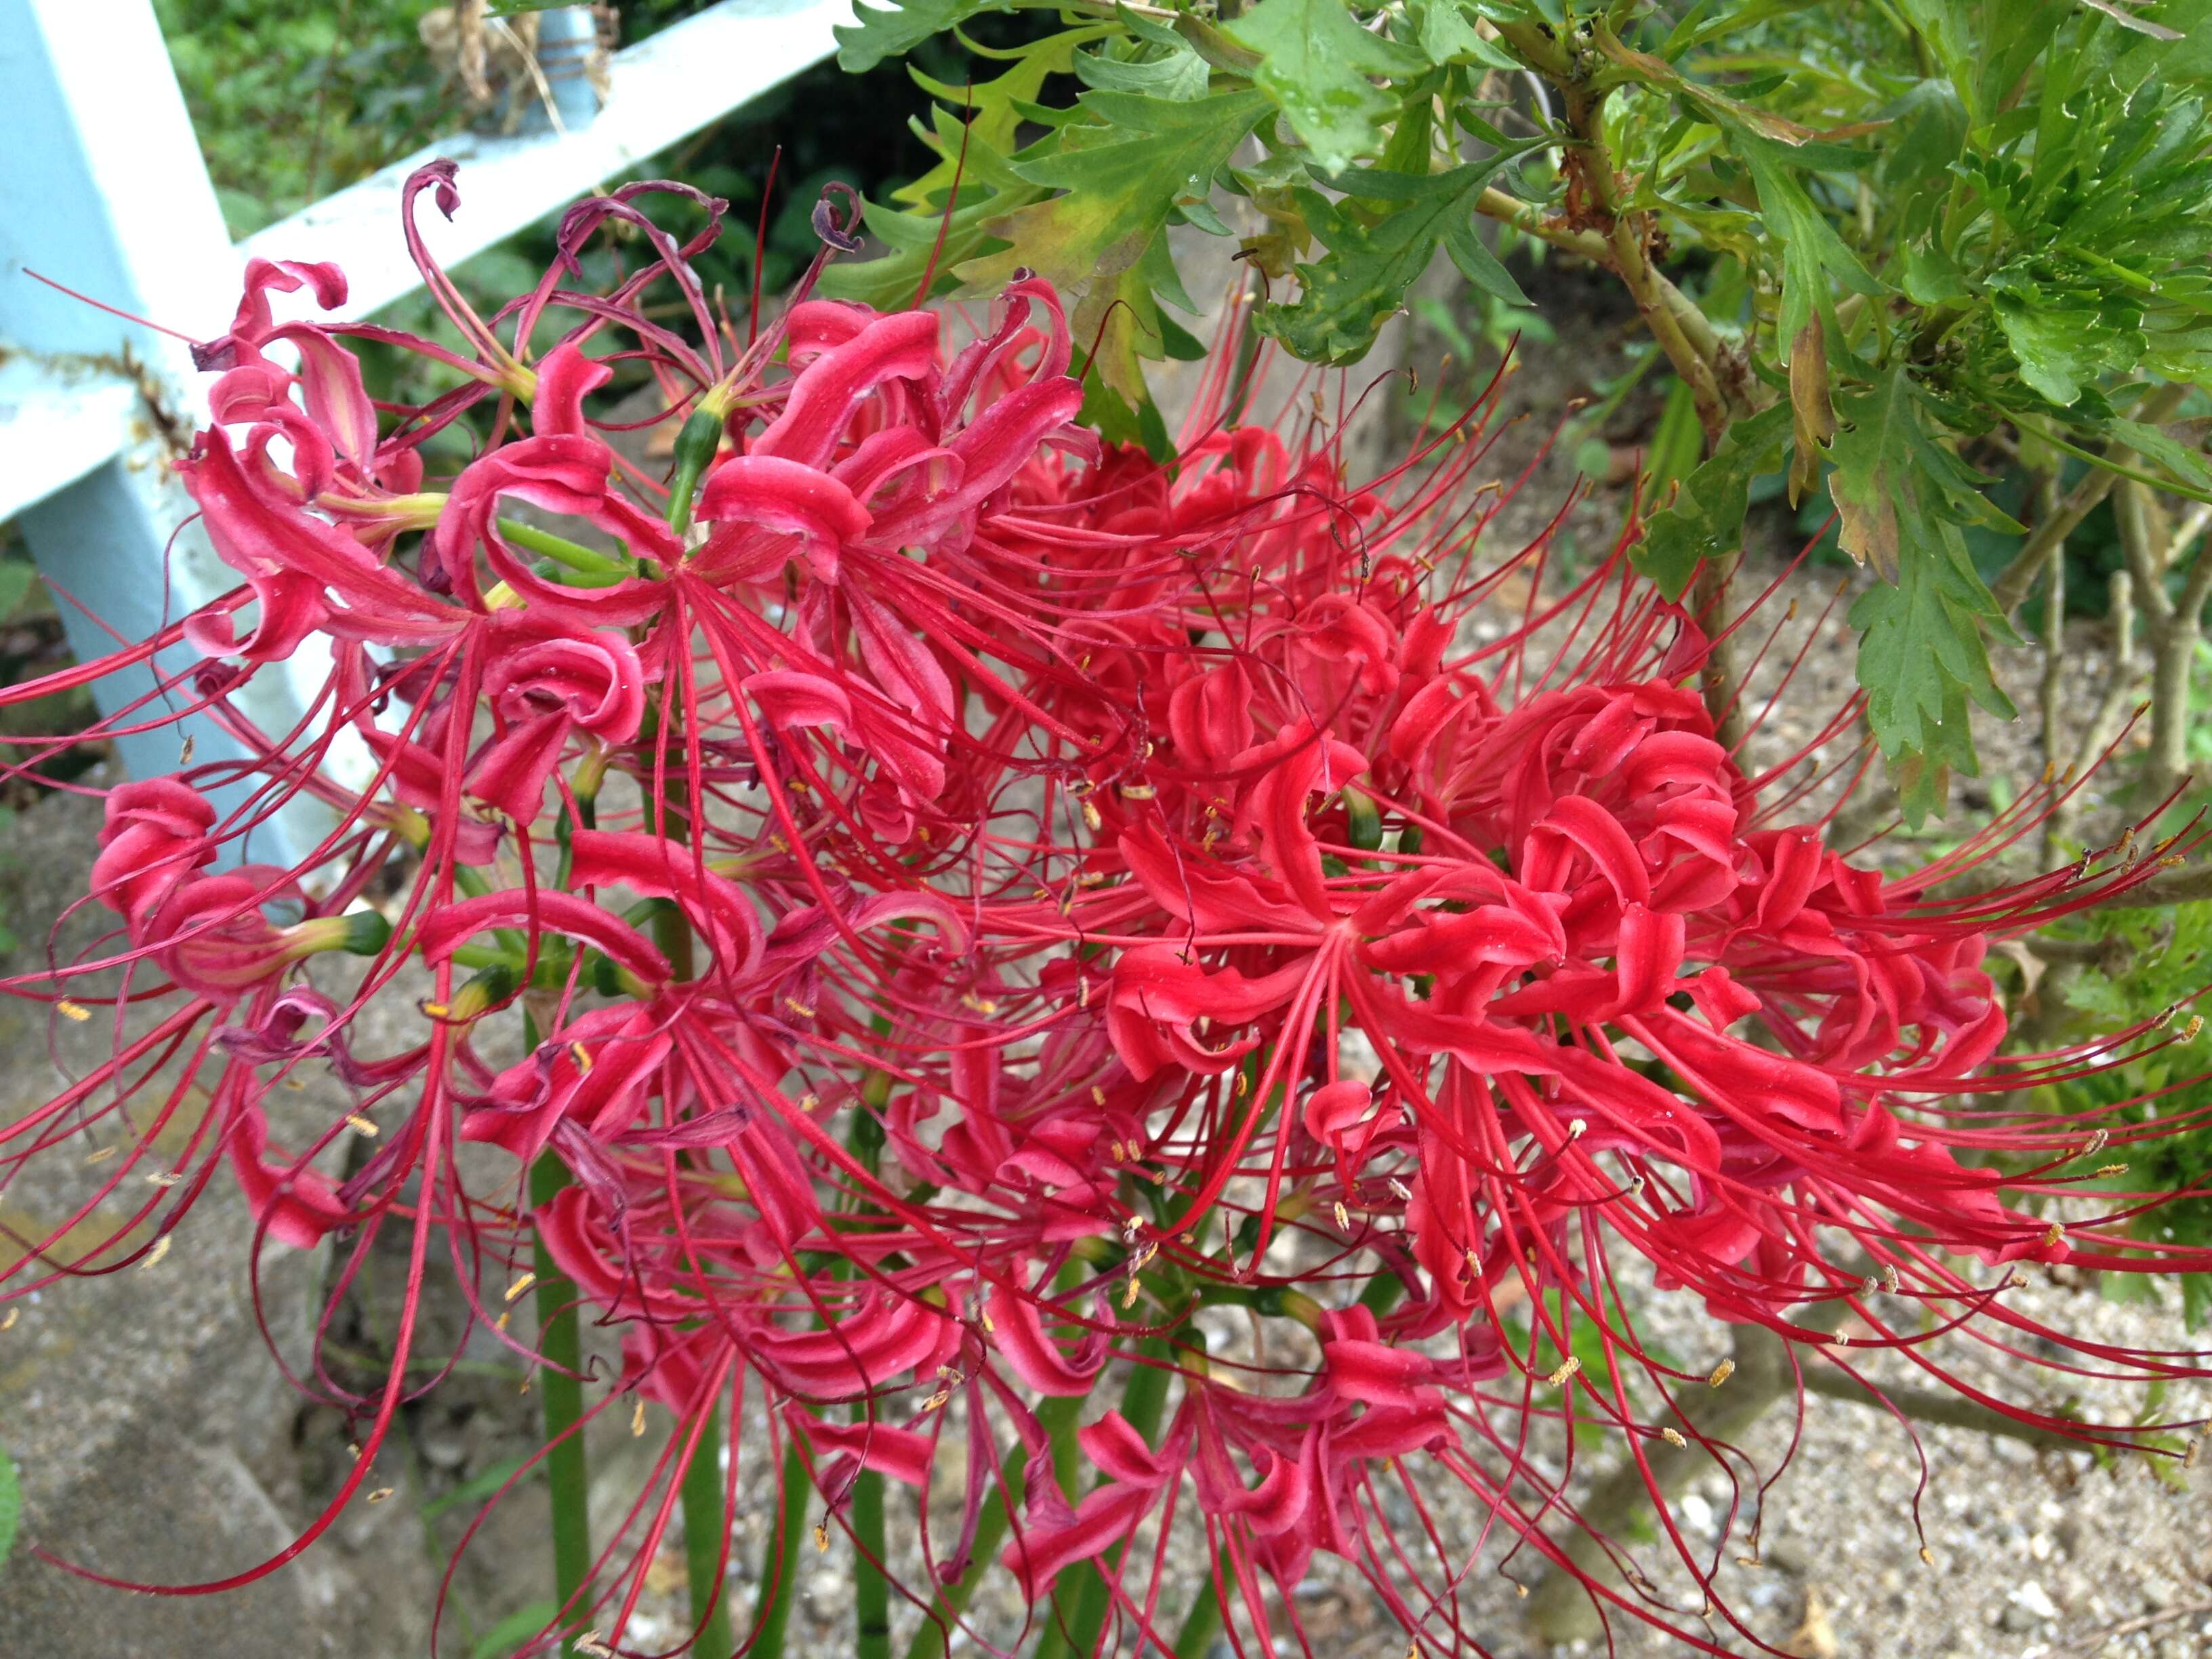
1121	172
1316	63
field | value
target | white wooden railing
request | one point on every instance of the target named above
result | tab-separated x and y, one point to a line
103	188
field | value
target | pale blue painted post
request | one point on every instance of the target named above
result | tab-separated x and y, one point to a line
105	190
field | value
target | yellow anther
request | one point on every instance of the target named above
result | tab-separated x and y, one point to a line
154	1256
581	1056
100	1156
822	1537
1097	1096
8	1324
1927	1555
436	1010
799	1007
1343	1216
521	1286
76	1011
1672	1437
2111	1169
1138	792
379	1494
1091	818
1568	1367
1721	1373
637	1418
165	1179
2054	1236
362	1126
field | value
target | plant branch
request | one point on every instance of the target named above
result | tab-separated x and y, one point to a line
1563	1608
2013	586
1949	1411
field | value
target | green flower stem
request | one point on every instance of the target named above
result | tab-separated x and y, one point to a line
1203	1622
871	1591
569	554
1084	1593
706	1528
1057	1417
562	1396
779	1564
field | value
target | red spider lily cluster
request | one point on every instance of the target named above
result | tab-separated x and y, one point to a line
983	901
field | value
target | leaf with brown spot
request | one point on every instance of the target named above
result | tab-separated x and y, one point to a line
1810	403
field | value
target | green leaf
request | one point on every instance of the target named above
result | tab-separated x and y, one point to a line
1122	172
17	578
895	30
2177	458
1893	483
481	1486
1362	280
1706	519
11	1504
2064	333
1945	26
1921	661
1315	64
1931	278
502	1640
1812	252
1447	37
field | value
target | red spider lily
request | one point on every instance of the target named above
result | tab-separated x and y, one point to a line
973	893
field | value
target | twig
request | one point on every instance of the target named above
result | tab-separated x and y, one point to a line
2011	587
1563	1608
1944	1410
2052	685
2096	1640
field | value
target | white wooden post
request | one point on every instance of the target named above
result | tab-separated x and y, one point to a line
103	189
